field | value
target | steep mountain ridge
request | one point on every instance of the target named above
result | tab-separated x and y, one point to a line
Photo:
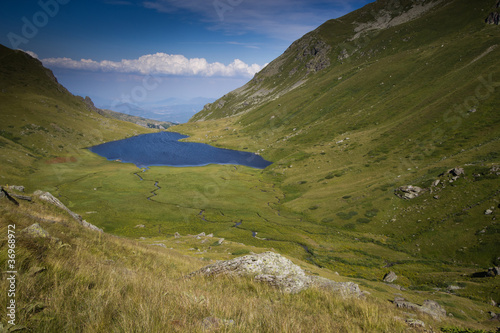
316	51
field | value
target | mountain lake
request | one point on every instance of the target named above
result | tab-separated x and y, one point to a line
165	149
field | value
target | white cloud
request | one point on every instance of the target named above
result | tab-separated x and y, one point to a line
159	64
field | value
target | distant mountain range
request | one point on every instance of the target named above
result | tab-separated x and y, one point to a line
173	110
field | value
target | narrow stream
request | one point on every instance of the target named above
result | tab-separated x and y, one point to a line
153	193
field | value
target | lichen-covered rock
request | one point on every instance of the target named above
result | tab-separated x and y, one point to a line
433	309
457	172
16	188
267	263
430	307
390	277
289	284
408	192
415	323
401	303
35	231
342	288
279	272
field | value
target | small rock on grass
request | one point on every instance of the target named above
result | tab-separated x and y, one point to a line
415	323
390	277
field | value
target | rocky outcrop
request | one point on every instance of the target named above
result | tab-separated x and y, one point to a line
415	323
320	59
494	271
16	188
408	192
47	197
277	271
456	172
430	307
386	19
390	277
5	194
493	18
90	104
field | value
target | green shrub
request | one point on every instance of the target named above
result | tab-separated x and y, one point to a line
347	216
372	212
349	226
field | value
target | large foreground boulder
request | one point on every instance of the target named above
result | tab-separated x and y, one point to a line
277	271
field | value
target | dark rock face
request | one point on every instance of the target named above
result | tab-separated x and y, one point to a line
4	193
313	50
493	271
493	18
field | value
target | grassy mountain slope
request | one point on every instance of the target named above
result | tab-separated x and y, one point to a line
348	114
41	121
345	120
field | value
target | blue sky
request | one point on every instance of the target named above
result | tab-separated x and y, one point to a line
152	50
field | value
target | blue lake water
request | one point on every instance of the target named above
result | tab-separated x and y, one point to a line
164	149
